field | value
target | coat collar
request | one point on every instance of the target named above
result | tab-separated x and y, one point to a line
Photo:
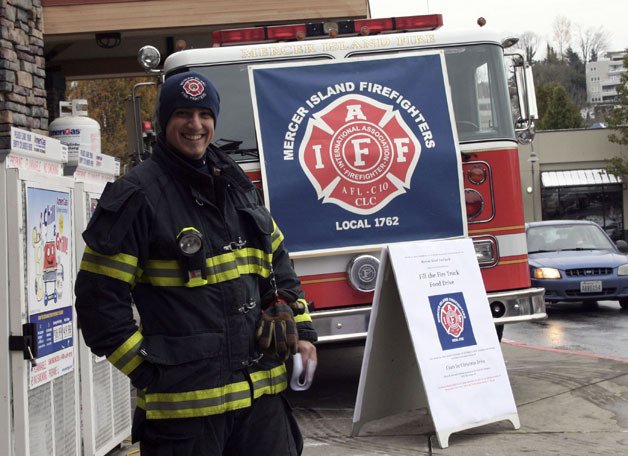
218	161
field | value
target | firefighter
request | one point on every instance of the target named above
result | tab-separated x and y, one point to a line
183	236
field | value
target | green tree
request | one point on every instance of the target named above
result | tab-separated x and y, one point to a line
556	110
573	59
568	72
106	103
577	81
550	55
618	121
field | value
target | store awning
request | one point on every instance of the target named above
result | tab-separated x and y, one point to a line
578	177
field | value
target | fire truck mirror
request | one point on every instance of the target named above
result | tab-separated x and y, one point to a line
140	140
525	91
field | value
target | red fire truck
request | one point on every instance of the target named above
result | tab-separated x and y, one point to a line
340	283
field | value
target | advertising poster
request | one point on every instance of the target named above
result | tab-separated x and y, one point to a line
362	151
49	270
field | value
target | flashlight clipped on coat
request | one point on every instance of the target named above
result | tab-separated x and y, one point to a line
192	257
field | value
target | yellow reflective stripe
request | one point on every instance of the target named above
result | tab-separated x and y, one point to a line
162	273
188	228
125	357
254	261
131	365
121	257
304	317
269	382
120	266
220	268
140	401
276	237
212	401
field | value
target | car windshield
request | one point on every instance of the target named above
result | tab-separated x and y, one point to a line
550	238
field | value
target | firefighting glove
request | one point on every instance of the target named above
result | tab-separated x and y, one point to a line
289	297
277	334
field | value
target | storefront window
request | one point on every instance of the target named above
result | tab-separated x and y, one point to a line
601	204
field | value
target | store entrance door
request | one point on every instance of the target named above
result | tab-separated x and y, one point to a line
601	203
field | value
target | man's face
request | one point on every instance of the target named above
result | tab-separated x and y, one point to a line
189	131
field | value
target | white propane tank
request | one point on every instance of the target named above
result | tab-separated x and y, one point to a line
74	129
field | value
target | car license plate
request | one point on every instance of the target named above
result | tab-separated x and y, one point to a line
591	286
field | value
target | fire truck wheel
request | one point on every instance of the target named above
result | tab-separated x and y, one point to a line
500	331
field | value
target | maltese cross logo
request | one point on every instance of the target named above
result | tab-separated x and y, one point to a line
193	88
451	318
359	153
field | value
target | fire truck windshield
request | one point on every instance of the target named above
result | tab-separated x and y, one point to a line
479	91
480	94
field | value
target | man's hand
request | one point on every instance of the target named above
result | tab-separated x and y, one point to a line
303	367
308	352
276	331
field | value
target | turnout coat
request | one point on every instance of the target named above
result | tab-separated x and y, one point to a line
194	351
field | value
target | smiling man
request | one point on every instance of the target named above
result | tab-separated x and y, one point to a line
188	114
190	130
185	238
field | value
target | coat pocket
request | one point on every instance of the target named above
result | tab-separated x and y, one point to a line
260	217
174	351
116	211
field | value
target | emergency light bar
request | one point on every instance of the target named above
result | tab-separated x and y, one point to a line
321	29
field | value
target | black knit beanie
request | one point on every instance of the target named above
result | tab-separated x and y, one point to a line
187	90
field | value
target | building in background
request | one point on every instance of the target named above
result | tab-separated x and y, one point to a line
603	77
564	177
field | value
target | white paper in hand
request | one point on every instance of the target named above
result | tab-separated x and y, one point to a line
302	378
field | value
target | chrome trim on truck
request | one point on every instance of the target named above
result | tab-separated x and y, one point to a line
518	305
341	325
352	323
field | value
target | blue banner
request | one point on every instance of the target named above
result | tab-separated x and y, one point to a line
359	152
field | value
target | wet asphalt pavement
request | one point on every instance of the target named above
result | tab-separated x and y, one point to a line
601	330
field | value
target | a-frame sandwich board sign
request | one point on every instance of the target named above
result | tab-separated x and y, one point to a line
432	343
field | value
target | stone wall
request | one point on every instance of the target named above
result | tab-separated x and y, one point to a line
22	69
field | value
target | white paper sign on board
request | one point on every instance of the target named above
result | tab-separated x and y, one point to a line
431	308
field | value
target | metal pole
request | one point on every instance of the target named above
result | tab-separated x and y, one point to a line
533	159
533	196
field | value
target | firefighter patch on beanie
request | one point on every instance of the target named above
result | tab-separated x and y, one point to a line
193	89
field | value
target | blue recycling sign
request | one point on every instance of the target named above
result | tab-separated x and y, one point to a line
359	152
